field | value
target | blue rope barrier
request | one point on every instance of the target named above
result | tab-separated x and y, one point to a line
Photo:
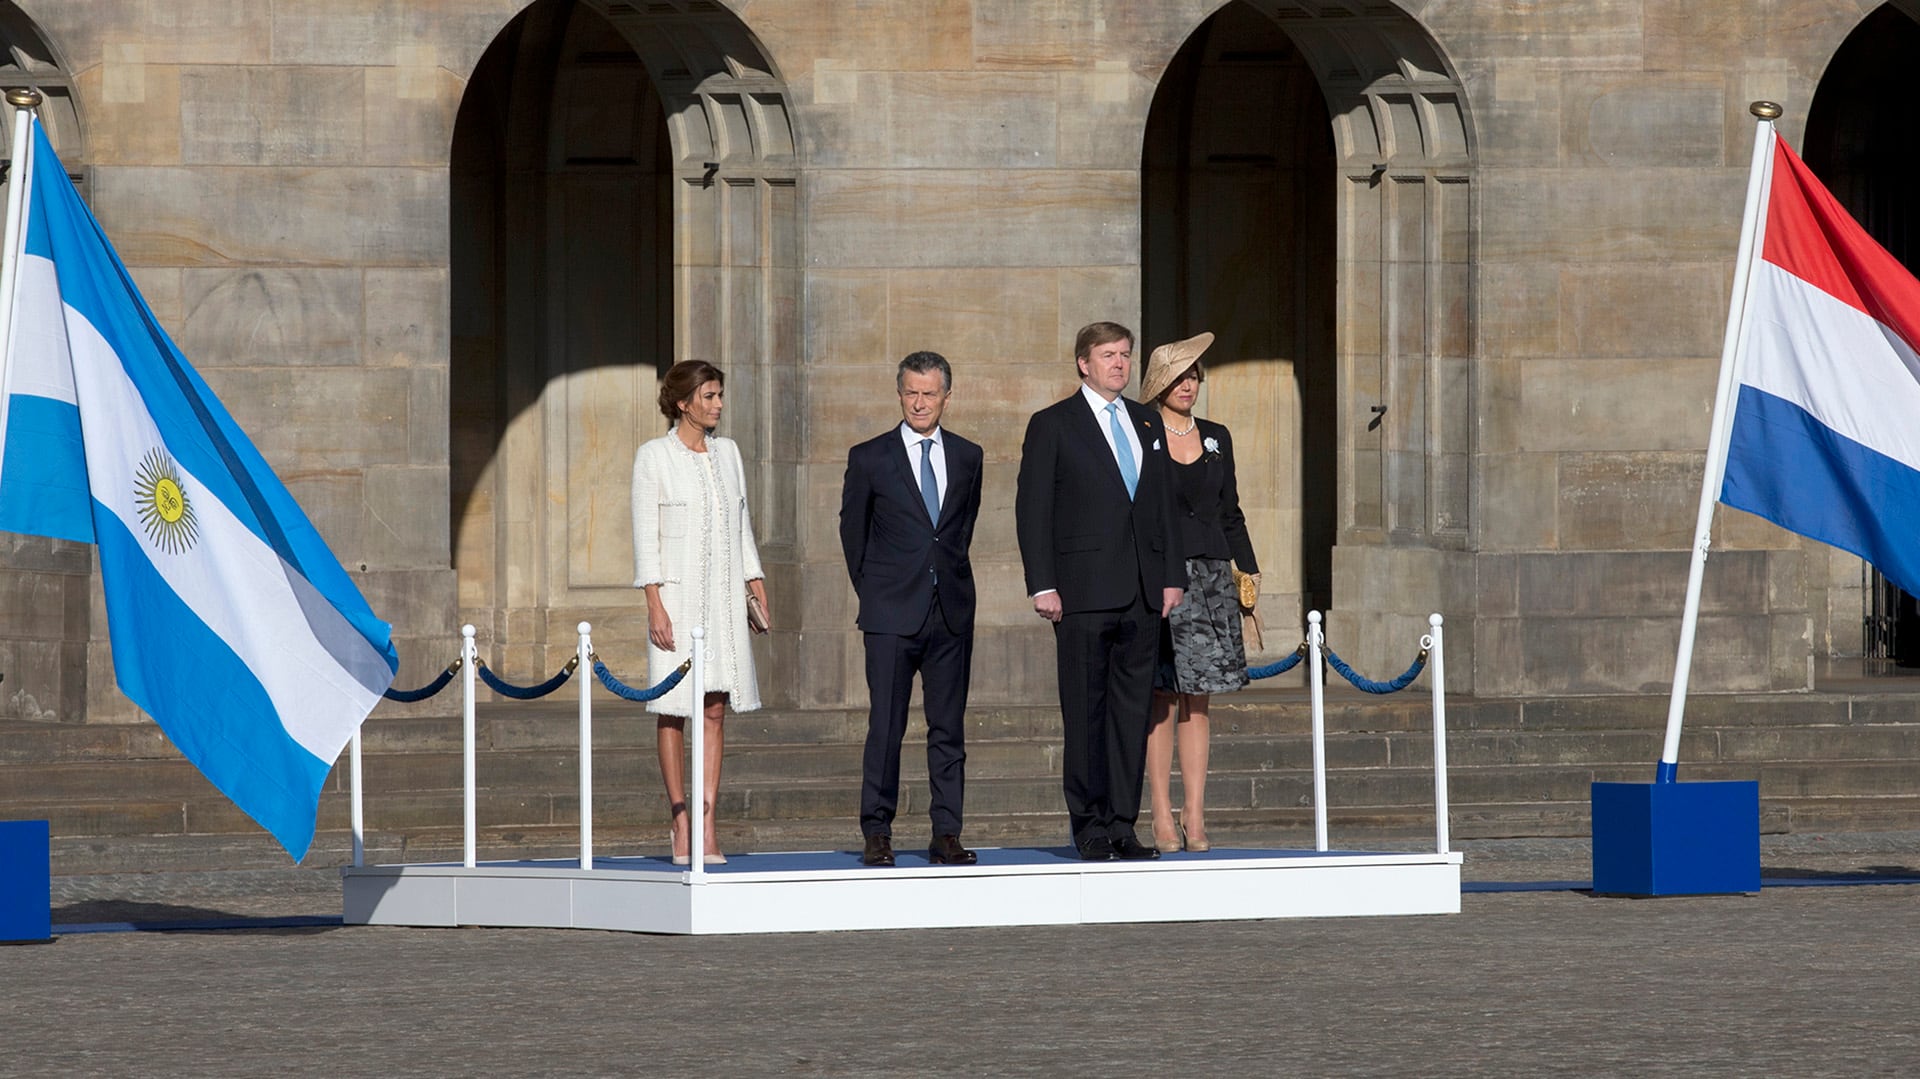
409	696
1395	686
621	689
1279	666
526	693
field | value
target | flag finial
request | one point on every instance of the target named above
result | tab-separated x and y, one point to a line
1766	110
24	98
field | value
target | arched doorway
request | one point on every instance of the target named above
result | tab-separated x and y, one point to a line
622	198
1238	236
1863	141
1307	195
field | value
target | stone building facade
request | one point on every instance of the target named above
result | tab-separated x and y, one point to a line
1468	261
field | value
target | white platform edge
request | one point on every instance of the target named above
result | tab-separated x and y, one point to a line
665	900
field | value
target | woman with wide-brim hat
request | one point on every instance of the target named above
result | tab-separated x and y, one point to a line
1201	650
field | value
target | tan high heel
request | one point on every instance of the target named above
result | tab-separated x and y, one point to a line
1197	845
1174	845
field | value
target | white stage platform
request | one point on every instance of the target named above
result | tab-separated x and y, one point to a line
831	890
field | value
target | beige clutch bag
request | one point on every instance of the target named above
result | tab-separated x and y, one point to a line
757	618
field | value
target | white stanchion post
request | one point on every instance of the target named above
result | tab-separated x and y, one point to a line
1317	693
469	659
697	782
359	815
1437	664
584	671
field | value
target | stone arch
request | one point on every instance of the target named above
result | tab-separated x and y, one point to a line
29	58
1398	261
623	197
1862	139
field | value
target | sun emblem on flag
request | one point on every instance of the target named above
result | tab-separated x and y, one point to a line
165	512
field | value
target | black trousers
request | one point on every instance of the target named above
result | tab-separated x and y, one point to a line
1106	661
944	661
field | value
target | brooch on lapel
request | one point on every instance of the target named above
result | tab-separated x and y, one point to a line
1212	446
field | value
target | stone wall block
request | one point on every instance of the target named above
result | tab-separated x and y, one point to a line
282	216
333	501
1519	501
1628	501
908	35
405	517
1648	404
938	217
307	419
1525	324
974	317
1102	293
1662	214
272	116
847	317
133	110
258	317
1578	33
427	424
1103	115
406	314
1071	34
1667	311
1607	116
974	120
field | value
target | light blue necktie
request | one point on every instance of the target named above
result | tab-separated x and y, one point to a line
1129	472
929	488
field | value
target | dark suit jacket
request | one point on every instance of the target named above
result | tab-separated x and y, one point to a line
893	551
1079	533
1206	504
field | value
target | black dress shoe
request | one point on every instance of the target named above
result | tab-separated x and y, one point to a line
879	850
1130	849
1097	849
946	850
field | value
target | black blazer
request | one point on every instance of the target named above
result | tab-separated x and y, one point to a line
1079	533
1206	503
893	551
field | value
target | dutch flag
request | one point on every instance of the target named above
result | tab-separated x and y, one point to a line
1825	437
231	623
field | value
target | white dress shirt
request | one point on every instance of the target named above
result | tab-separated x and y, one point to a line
1100	419
939	456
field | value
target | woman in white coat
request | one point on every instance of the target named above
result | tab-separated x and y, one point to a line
694	555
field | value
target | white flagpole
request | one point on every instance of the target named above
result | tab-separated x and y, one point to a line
1725	397
24	101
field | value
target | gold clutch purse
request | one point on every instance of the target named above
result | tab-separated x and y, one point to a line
1248	587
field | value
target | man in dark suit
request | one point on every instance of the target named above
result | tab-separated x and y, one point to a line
1095	523
906	521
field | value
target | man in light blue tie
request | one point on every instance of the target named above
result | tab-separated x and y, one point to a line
907	509
1094	516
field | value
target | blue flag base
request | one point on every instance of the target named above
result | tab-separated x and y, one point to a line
26	881
1676	838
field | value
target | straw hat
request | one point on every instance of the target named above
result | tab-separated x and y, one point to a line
1169	362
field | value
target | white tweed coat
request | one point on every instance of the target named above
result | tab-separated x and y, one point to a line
693	537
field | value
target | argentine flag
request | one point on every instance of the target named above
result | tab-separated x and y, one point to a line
1826	429
231	623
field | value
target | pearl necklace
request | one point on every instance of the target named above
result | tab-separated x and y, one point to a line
1191	424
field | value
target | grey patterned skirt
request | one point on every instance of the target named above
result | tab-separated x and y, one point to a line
1200	646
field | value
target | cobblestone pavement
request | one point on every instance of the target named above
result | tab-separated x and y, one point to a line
1801	981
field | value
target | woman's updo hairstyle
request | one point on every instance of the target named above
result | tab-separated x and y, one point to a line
682	381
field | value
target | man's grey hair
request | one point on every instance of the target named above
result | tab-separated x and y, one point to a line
920	363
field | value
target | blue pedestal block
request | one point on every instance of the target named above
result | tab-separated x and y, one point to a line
26	881
1676	838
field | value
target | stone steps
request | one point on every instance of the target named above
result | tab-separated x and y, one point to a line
119	797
